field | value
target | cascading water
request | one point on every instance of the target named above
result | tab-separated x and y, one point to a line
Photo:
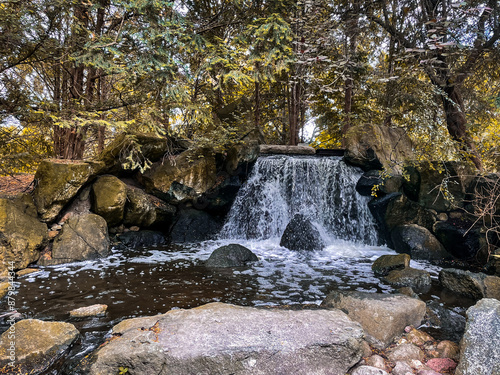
323	189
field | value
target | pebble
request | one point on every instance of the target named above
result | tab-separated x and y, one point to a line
441	364
94	310
376	361
26	271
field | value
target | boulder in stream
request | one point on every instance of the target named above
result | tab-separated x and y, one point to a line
383	316
109	197
419	280
479	353
142	238
300	234
232	255
194	225
81	238
470	284
35	345
419	242
387	263
225	339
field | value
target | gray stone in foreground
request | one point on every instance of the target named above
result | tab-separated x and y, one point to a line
368	370
383	316
479	348
232	255
284	149
225	339
38	345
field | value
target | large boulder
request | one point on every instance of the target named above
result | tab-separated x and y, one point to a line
284	149
140	208
375	147
443	185
300	234
22	235
378	183
184	176
225	339
81	238
383	316
396	209
142	238
418	242
451	325
232	255
470	284
109	198
419	280
57	183
32	345
193	225
479	354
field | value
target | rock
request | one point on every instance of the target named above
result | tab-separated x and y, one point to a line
458	238
22	235
82	237
300	234
383	316
83	312
139	209
451	325
394	210
284	149
407	291
419	242
418	337
37	345
182	177
387	263
376	183
448	349
405	353
368	370
492	287
441	364
26	271
225	339
232	255
143	238
427	372
402	368
464	283
479	354
193	226
419	280
109	197
376	361
4	288
375	147
57	183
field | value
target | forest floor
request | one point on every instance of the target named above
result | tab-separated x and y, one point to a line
13	185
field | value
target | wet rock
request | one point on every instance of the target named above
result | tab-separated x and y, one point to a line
83	312
220	338
451	325
142	238
232	255
383	316
139	209
182	177
407	291
58	183
368	370
289	150
371	146
448	349
441	364
376	361
4	288
396	209
26	271
373	182
416	279
82	237
405	353
492	287
418	242
193	226
109	197
22	235
402	368
458	238
479	354
387	263
38	345
300	234
418	337
464	283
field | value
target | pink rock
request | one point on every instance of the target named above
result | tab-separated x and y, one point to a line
441	364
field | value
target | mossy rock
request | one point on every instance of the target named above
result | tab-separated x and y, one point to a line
22	235
109	197
57	183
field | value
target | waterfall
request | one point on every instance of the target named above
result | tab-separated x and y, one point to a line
323	189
